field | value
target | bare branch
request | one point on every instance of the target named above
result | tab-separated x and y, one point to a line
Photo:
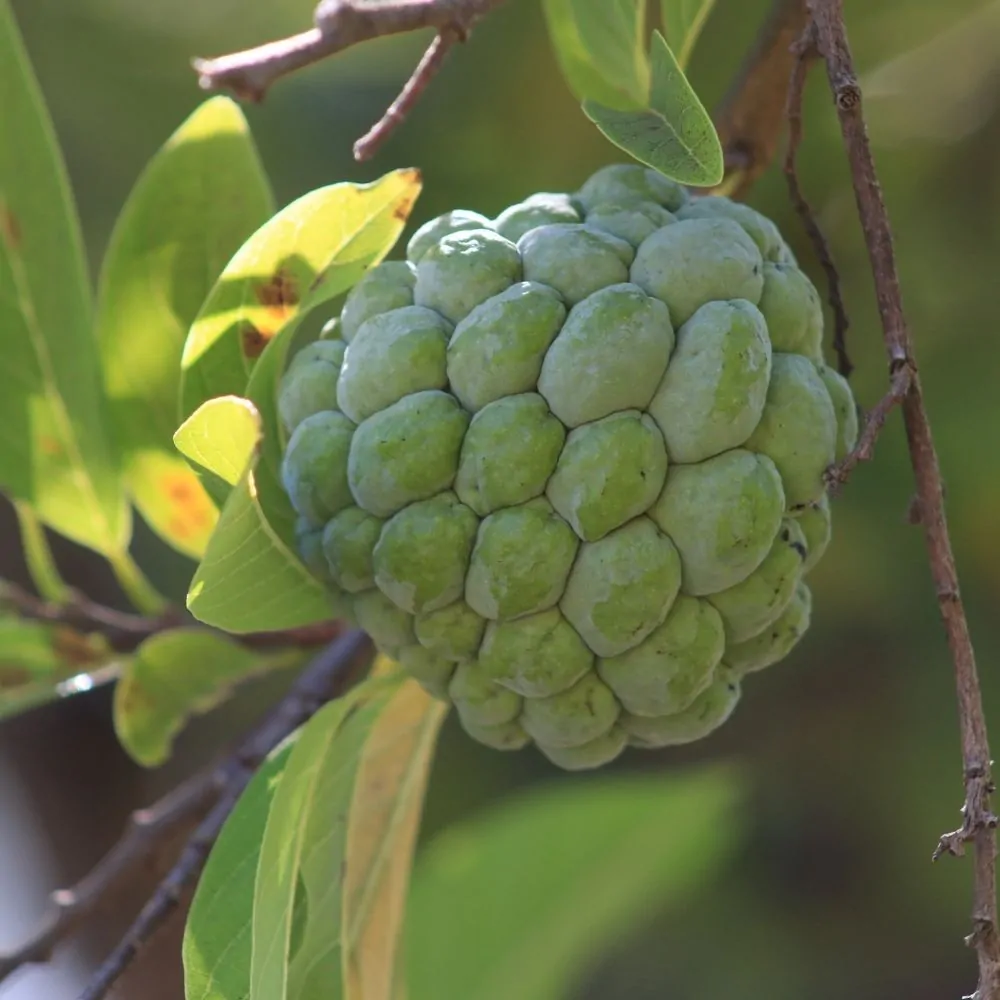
147	828
751	119
125	632
339	24
326	677
978	826
368	145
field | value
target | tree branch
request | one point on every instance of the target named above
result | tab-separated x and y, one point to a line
330	673
751	118
125	632
147	828
339	25
978	821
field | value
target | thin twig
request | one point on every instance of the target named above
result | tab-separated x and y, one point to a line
124	632
751	118
978	820
146	829
806	53
339	24
326	677
368	145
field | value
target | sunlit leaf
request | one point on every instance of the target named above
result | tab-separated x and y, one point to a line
220	439
40	662
195	204
599	46
382	830
55	449
675	134
174	675
217	939
308	253
250	578
682	24
304	851
512	902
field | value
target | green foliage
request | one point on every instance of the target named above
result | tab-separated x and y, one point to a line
197	201
38	662
217	942
250	577
682	24
600	48
590	860
174	675
55	449
675	134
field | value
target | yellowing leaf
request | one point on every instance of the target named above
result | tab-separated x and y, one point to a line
308	253
196	202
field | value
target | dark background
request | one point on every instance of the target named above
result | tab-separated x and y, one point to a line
850	748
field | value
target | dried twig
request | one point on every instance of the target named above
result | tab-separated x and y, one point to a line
146	829
805	53
326	677
340	24
978	821
124	632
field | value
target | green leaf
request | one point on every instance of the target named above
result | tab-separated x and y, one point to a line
308	253
512	902
174	675
305	844
220	440
250	578
217	940
55	449
682	24
197	201
41	662
675	134
599	46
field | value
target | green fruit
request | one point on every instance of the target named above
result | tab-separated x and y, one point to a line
568	467
723	515
435	230
541	209
696	261
385	287
712	395
708	711
798	428
574	260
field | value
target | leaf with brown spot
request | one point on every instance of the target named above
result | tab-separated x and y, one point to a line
57	456
199	198
40	662
253	340
323	242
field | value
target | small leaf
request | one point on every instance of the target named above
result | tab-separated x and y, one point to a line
675	134
382	831
682	24
198	200
220	440
40	662
305	845
217	941
174	675
308	253
599	46
56	453
512	902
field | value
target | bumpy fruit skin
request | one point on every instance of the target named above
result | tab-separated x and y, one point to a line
567	466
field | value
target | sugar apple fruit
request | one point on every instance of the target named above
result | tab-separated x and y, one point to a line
567	466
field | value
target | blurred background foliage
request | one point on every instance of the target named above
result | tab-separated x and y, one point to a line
849	750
